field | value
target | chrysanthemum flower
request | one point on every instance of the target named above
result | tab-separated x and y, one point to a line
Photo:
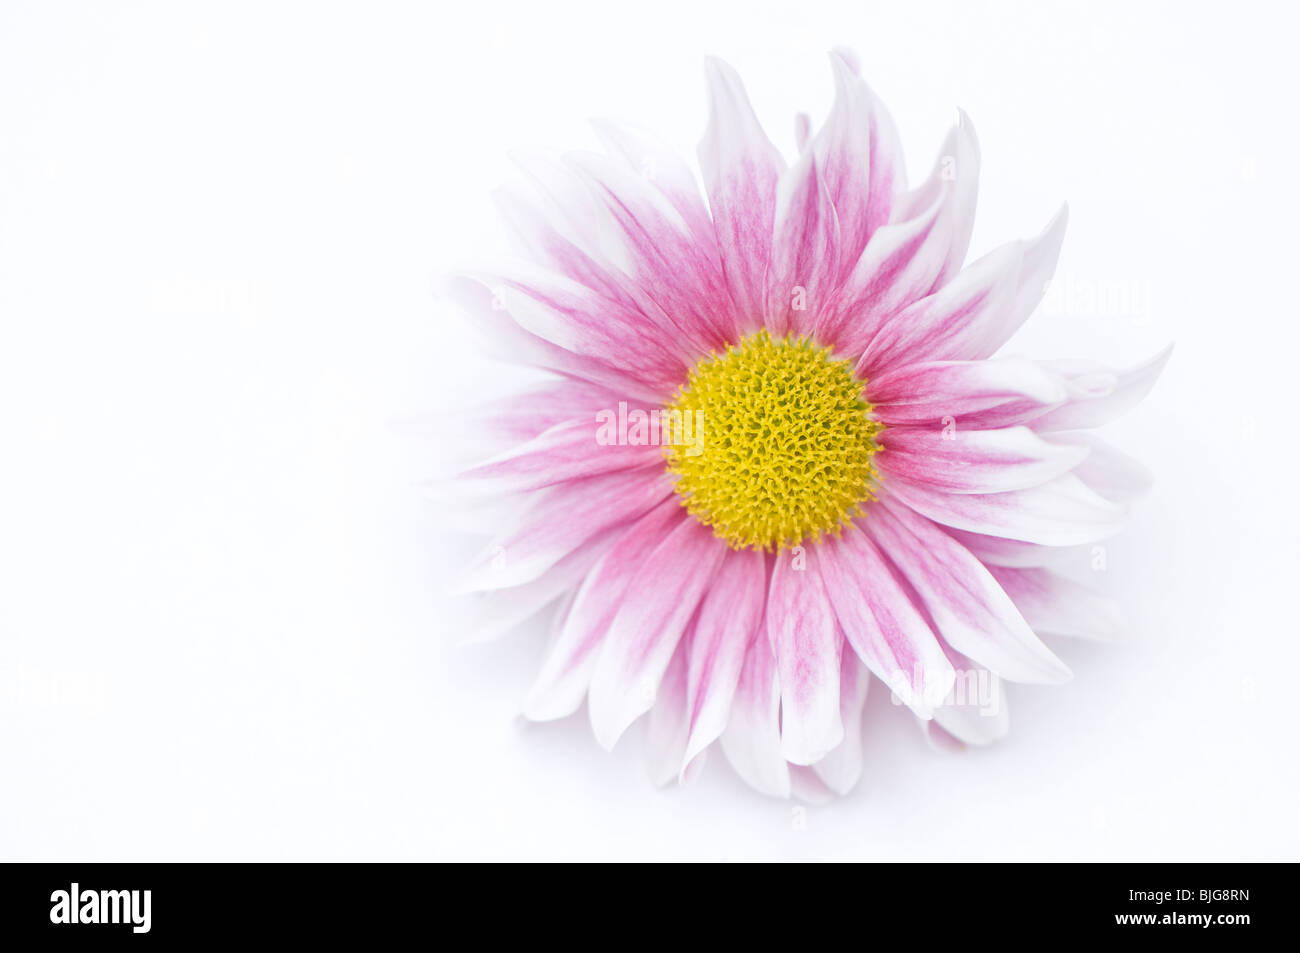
779	454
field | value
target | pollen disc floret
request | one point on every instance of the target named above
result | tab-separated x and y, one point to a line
786	441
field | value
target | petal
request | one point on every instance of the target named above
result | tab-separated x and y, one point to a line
805	250
842	767
657	605
741	169
967	606
1092	411
807	786
957	171
1113	475
665	261
566	672
975	313
666	170
858	154
568	451
506	339
974	395
1055	605
561	519
974	461
752	740
502	610
996	551
1062	512
730	618
881	623
806	638
903	262
666	727
975	712
573	317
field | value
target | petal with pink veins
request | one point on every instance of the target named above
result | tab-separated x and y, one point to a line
967	606
730	618
974	461
902	263
974	314
669	267
1055	605
567	451
881	622
975	395
856	149
655	609
1061	512
559	520
805	250
566	673
741	169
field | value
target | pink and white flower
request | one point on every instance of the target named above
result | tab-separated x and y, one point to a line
870	489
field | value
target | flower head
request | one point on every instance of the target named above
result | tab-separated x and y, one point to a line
779	455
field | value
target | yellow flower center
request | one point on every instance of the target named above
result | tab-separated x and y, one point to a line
784	443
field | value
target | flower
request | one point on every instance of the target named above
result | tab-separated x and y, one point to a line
778	455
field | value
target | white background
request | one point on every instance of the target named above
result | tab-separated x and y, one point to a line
222	592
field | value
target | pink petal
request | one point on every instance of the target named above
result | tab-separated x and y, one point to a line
665	169
752	739
566	672
501	611
806	638
971	395
741	169
968	607
1055	605
842	767
560	520
905	260
858	154
881	623
665	261
567	451
974	314
730	618
581	321
656	607
974	461
995	551
805	250
1062	512
504	338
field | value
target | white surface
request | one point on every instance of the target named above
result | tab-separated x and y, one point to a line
224	633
